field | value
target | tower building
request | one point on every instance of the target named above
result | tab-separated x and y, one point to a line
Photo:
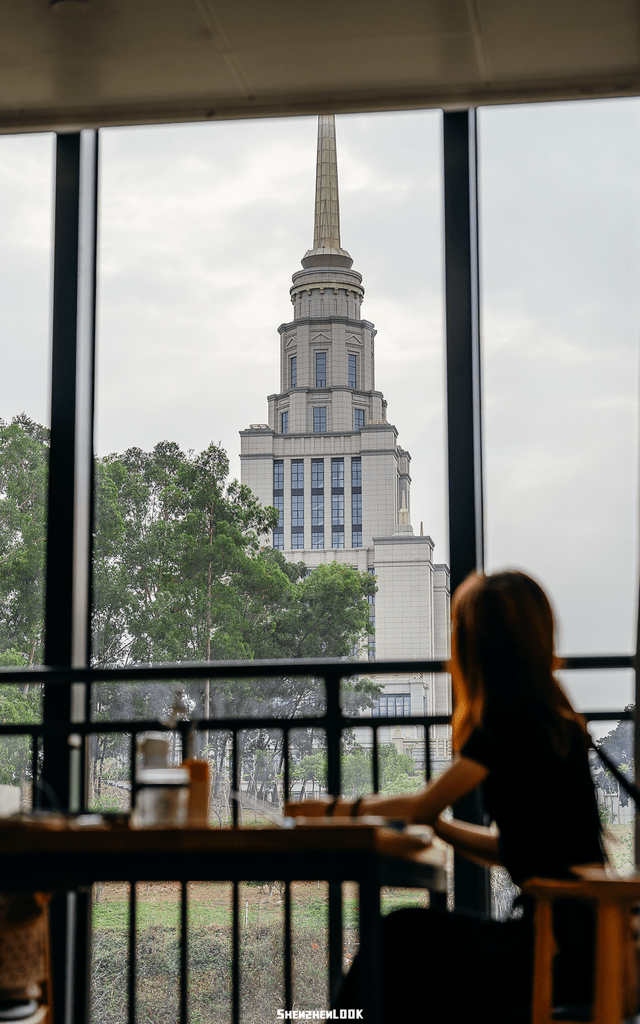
329	460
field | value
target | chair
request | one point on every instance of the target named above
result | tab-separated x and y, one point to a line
25	952
616	983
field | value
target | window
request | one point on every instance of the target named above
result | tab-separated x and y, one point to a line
356	537
337	473
297	510
353	364
317	509
297	474
317	539
321	369
337	538
278	502
317	474
293	371
285	422
297	541
319	420
337	509
392	705
358	418
356	509
356	474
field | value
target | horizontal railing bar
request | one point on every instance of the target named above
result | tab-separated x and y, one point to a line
245	724
322	667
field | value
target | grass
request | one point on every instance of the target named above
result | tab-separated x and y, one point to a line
209	950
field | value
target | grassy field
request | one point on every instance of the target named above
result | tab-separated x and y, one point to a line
209	950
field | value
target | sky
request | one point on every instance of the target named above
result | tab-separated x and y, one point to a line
201	228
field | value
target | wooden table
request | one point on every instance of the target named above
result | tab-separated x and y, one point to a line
333	849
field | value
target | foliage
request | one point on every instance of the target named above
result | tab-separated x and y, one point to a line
24	448
181	572
397	772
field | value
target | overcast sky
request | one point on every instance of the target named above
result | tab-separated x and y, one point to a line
202	226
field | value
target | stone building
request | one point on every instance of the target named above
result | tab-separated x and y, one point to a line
330	461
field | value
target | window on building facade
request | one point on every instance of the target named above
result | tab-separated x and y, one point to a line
321	369
356	474
297	475
337	509
317	539
358	418
293	371
337	538
317	474
392	705
319	420
285	423
353	367
337	474
297	504
278	502
317	509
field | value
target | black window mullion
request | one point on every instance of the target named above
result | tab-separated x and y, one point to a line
464	441
69	518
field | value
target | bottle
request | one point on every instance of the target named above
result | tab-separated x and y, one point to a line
199	787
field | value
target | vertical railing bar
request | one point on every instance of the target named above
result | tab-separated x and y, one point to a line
132	951
35	792
285	756
235	956
374	755
133	751
288	949
184	959
234	775
427	752
335	937
333	717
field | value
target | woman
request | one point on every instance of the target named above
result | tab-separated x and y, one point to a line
515	733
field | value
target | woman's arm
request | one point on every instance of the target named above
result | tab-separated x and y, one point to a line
475	842
424	807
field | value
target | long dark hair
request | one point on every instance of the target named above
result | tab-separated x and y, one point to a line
503	660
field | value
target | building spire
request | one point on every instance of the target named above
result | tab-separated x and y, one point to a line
326	227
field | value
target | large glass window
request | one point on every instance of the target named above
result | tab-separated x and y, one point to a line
317	509
560	220
337	473
293	371
285	422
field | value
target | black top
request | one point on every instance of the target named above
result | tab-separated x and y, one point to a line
543	803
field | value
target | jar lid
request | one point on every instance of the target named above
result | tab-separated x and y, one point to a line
163	777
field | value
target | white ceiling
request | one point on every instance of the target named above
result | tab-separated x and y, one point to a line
99	62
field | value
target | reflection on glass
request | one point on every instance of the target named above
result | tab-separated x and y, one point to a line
560	248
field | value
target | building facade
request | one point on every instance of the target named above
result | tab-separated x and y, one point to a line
329	460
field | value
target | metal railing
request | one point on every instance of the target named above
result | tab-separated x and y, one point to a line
332	722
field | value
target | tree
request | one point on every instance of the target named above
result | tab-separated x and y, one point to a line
24	450
182	571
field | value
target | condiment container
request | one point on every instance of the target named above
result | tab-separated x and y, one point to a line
198	809
162	798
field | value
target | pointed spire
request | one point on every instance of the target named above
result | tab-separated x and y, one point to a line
326	228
